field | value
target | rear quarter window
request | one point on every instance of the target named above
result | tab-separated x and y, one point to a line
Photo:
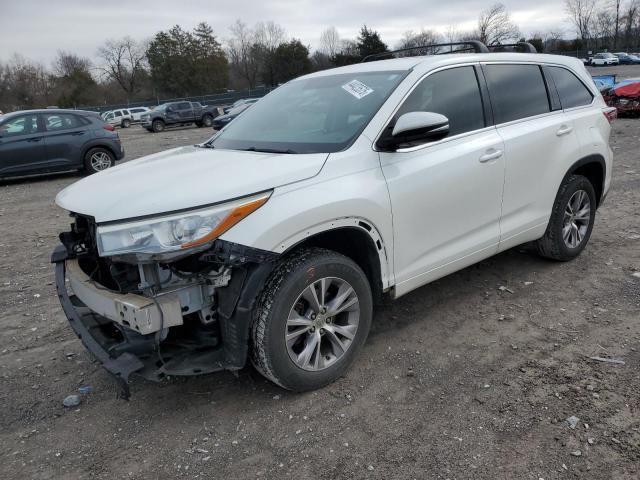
517	91
573	93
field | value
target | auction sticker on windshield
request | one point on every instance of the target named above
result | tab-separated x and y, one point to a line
357	89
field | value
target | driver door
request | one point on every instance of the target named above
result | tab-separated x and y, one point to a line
446	195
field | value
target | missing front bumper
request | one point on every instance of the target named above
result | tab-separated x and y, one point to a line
96	309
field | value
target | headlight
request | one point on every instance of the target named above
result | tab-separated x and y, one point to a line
177	232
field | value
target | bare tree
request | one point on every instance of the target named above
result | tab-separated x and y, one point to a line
580	13
268	36
242	49
452	33
495	26
123	62
603	26
422	38
67	63
330	42
630	19
617	24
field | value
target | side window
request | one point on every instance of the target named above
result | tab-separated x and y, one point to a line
453	93
572	91
126	112
117	113
23	125
184	106
61	121
517	91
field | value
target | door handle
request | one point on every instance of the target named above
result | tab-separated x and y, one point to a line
34	139
563	130
81	132
491	154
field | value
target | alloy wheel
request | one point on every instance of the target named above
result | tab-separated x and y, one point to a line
577	216
322	323
100	161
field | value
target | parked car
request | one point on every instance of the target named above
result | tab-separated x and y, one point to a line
137	112
178	114
118	118
45	141
242	101
272	240
602	59
222	120
626	59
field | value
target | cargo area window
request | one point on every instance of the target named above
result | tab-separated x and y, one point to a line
573	93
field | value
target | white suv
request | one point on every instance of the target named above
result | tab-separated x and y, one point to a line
273	240
118	118
602	59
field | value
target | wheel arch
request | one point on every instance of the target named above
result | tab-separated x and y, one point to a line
355	238
96	144
594	168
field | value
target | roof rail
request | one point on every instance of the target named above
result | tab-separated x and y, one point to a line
475	45
525	47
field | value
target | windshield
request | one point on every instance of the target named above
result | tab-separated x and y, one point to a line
311	115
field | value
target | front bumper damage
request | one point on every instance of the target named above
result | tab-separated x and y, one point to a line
131	333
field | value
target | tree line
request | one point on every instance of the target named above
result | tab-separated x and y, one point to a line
180	63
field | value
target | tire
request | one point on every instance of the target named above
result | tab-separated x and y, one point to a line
199	124
568	233
157	126
282	299
98	159
126	123
207	120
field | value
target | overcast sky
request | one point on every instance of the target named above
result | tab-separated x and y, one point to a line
37	29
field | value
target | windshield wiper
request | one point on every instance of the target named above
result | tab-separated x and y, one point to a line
204	145
269	150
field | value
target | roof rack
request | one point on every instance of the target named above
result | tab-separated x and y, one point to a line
471	45
524	47
475	45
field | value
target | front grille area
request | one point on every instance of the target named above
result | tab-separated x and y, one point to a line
80	243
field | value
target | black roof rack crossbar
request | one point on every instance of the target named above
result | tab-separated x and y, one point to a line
475	45
526	47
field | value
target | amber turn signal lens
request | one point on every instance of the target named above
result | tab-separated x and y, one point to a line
237	214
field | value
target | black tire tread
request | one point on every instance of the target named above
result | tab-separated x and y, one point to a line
272	286
549	246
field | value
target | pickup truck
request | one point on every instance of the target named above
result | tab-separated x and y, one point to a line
178	114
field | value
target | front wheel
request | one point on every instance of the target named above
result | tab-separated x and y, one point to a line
312	319
571	221
126	123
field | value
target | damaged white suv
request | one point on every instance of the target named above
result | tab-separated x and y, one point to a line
273	240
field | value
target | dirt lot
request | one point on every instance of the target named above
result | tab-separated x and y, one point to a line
459	379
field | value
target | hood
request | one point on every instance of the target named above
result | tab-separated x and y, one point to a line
183	178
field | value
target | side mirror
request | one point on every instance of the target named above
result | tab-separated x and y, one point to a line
416	127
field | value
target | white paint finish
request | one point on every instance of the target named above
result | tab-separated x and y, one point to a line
536	162
445	202
186	177
435	208
350	186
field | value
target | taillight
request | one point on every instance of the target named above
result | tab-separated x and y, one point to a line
611	113
106	126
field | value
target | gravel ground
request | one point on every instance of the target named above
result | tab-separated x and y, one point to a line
459	379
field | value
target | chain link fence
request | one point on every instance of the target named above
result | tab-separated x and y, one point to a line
219	99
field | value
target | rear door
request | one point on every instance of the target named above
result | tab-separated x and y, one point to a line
185	111
21	146
538	140
64	137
